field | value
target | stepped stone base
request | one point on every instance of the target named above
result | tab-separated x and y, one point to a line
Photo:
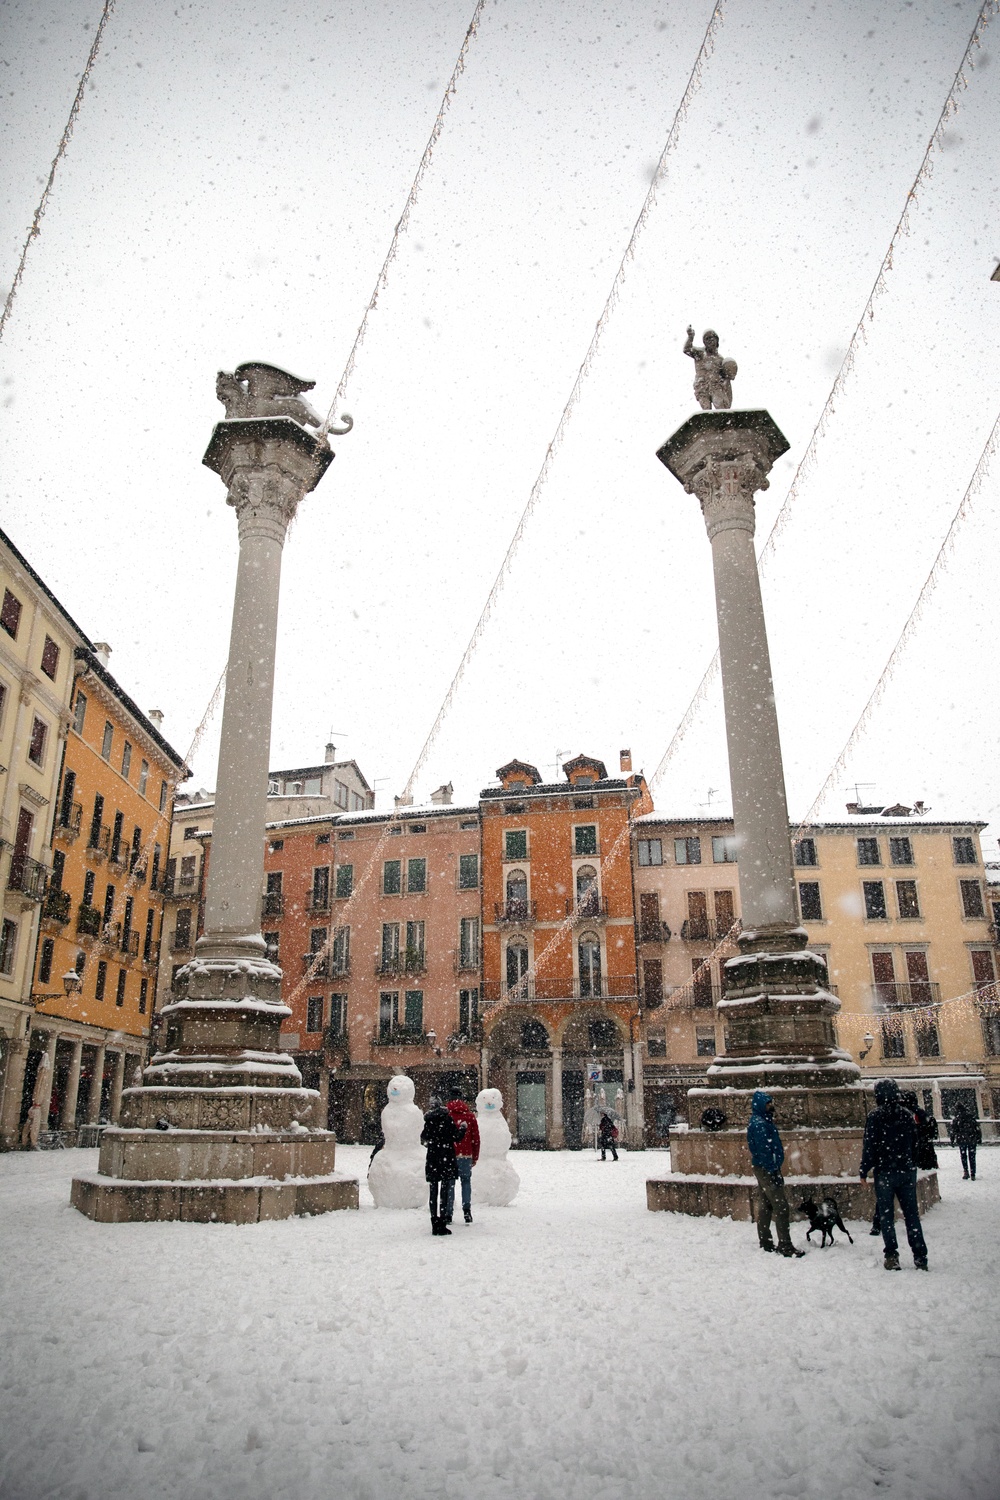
186	1155
724	1153
796	1105
111	1200
737	1197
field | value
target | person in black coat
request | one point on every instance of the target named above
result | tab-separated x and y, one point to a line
890	1152
927	1129
440	1135
606	1137
966	1133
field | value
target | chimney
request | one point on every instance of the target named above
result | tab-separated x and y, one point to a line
403	802
625	760
156	715
330	753
102	651
442	797
918	808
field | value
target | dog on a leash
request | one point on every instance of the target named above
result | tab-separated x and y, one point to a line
826	1218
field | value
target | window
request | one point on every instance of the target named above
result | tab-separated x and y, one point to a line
189	872
414	947
416	876
143	995
893	1040
3	700
906	899
468	1012
701	984
109	903
126	759
10	614
652	982
154	874
320	897
116	837
875	907
687	851
516	843
109	735
387	1002
884	973
58	870
136	848
650	930
348	834
314	1013
79	713
147	942
50	658
317	939
338	1015
322	838
345	881
695	929
585	839
8	946
275	846
390	947
972	898
45	961
96	822
925	1034
918	977
36	747
418	827
805	852
983	969
89	881
468	872
341	955
395	832
725	913
724	848
182	931
650	852
656	1046
271	946
392	877
66	801
340	795
312	786
965	850
102	980
357	802
900	852
468	823
587	897
414	1012
589	957
143	777
534	1037
704	1042
869	852
120	991
163	796
991	1033
517	962
468	943
601	1035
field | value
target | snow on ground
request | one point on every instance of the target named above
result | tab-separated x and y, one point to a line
572	1345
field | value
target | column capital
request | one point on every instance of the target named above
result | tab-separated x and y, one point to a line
267	464
725	452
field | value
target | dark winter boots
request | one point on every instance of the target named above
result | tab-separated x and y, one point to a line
440	1226
891	1261
468	1215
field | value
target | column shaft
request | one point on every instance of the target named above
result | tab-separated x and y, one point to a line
45	1093
96	1083
13	1090
116	1086
67	1119
558	1134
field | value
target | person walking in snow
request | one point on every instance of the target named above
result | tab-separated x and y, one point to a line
927	1129
607	1134
466	1156
440	1135
966	1133
766	1155
890	1153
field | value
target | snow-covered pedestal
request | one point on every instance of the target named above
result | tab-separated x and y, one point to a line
221	1127
777	1005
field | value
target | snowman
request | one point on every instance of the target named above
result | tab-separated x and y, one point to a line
494	1180
396	1175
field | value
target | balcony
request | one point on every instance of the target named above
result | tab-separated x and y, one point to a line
696	930
414	961
918	992
119	856
654	932
151	955
322	962
513	913
467	963
336	1036
68	824
99	841
272	904
130	942
472	1035
28	877
399	1036
111	934
318	903
181	943
389	966
590	908
56	906
88	921
167	883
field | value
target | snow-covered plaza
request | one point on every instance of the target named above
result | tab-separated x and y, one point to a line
572	1345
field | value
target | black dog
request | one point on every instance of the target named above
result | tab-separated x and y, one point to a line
826	1218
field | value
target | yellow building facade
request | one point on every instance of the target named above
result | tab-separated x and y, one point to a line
897	903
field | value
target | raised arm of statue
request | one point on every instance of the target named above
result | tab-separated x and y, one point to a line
689	343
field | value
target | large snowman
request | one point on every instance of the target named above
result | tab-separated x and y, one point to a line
494	1180
396	1176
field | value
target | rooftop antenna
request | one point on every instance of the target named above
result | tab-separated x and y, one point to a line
713	791
558	760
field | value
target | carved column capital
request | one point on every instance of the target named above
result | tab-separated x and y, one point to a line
726	489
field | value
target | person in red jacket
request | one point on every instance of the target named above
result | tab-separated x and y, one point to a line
466	1156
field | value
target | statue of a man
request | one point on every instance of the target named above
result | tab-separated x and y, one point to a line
713	375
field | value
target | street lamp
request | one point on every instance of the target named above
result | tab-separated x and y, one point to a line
869	1044
72	985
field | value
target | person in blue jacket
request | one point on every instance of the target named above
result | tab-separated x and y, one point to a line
767	1154
890	1152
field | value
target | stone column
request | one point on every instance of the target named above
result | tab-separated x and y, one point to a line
635	1098
13	1090
776	1005
45	1095
67	1120
96	1084
117	1080
558	1134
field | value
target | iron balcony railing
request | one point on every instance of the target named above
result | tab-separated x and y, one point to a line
467	963
465	1038
318	902
513	913
130	943
70	818
273	904
915	992
336	1036
151	955
27	876
588	909
119	856
389	965
88	921
546	987
654	932
322	968
399	1036
57	905
99	841
181	943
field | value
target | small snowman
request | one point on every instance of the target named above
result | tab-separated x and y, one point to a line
494	1180
396	1175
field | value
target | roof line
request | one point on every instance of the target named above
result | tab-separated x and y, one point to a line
44	587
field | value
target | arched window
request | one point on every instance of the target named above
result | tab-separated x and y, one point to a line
590	966
586	890
517	896
517	962
534	1037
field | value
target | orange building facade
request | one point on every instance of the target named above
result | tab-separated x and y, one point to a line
103	910
562	1022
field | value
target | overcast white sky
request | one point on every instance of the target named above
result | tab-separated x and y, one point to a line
229	194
